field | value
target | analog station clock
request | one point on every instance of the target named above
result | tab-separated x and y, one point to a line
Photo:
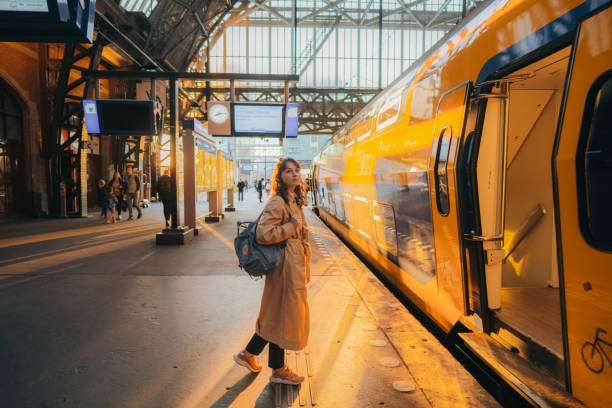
218	113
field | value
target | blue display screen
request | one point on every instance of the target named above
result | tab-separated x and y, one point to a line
291	119
92	121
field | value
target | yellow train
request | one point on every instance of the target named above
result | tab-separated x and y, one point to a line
480	184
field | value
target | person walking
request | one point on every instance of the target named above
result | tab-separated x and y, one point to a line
284	316
240	190
110	205
132	187
164	191
102	197
118	190
259	187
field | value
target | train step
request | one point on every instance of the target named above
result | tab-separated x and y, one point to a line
539	389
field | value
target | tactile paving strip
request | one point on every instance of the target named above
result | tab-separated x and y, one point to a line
304	395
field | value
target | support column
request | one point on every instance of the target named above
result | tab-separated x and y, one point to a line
174	128
189	178
219	183
175	235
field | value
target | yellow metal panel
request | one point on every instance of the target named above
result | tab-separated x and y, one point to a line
587	272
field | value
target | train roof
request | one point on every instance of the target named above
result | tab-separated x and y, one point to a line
407	77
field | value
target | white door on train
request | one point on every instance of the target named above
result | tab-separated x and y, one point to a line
583	164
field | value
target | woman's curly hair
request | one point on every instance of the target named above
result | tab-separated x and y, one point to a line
280	188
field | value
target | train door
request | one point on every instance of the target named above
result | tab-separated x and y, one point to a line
584	199
448	131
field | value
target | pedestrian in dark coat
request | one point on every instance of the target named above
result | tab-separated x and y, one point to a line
164	191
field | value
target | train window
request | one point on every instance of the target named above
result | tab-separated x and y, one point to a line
363	219
348	209
595	165
365	128
384	222
332	204
389	112
440	173
339	206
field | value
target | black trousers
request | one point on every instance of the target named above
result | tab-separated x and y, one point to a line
168	206
276	355
119	203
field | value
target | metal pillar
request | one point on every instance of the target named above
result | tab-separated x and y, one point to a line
68	120
174	128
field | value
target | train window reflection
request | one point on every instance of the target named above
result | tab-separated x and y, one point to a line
384	221
389	112
597	153
348	209
339	206
440	171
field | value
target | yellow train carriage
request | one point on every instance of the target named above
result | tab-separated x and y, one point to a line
479	184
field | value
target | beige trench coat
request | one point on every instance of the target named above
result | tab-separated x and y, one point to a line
284	316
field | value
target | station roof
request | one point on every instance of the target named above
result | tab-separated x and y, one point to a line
165	36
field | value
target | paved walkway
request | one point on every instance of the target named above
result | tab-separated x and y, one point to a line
97	315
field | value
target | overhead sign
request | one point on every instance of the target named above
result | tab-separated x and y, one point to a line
39	6
219	122
92	122
246	119
254	119
291	119
47	20
119	117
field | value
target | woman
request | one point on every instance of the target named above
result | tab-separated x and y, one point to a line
284	317
118	188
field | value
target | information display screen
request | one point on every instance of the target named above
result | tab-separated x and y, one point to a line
24	5
136	118
119	117
258	119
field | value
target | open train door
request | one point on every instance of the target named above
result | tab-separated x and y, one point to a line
442	169
582	169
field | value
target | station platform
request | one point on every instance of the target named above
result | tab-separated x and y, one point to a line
97	315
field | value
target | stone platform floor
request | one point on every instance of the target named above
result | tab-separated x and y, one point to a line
97	315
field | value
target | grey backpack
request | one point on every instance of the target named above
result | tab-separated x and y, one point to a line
256	259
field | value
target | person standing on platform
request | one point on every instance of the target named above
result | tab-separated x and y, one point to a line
164	191
132	186
240	190
259	187
118	187
284	316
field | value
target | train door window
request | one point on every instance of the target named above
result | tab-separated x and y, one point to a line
363	217
384	225
596	163
339	206
332	204
440	172
348	209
